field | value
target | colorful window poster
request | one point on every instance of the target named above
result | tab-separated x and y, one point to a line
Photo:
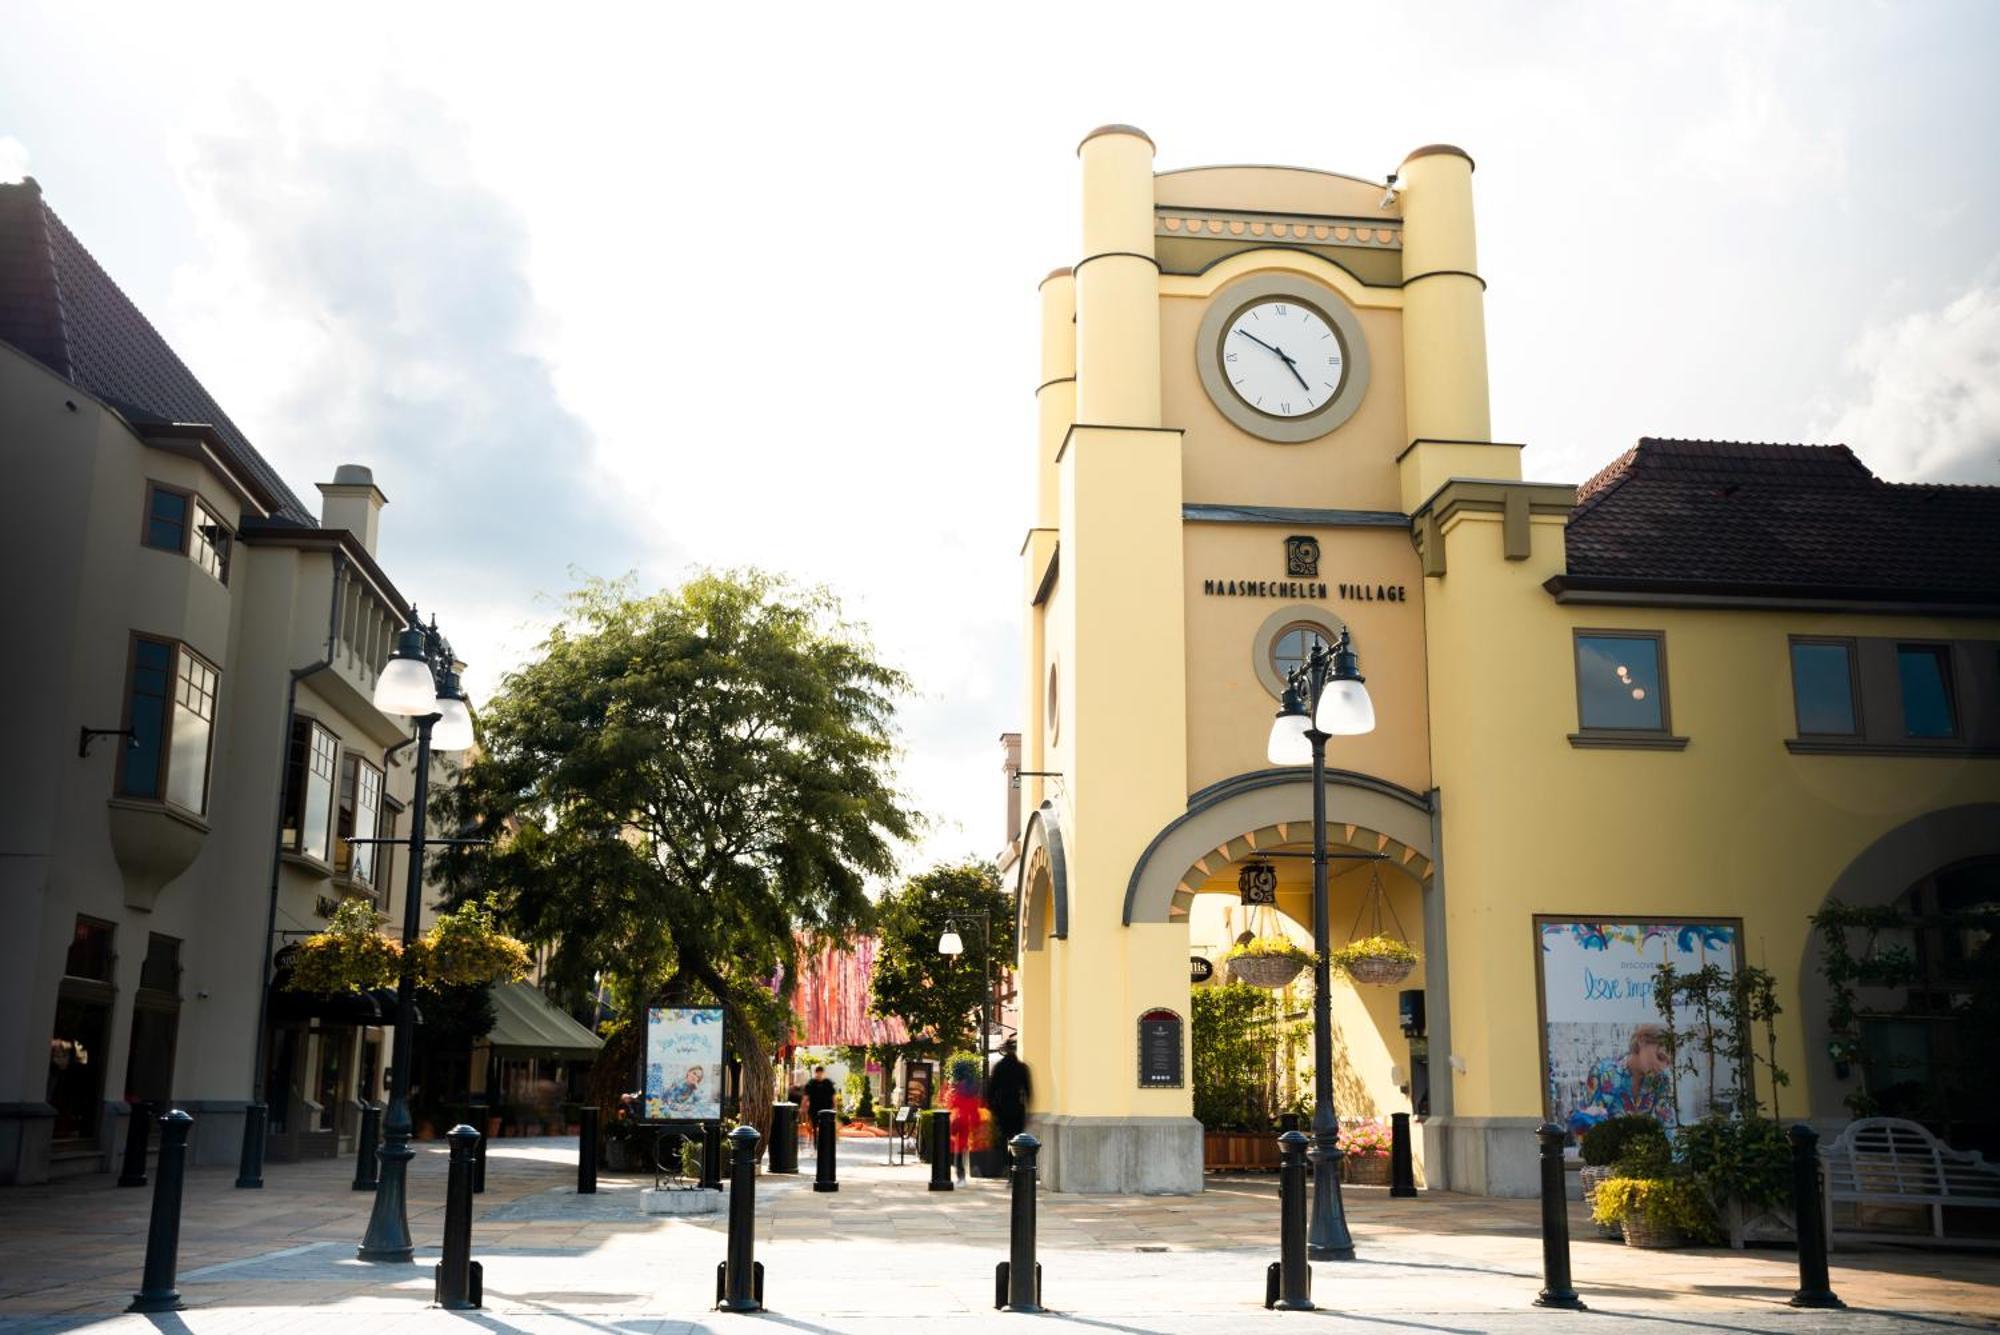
1604	1042
683	1065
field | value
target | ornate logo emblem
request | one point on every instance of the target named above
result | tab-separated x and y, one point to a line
1302	557
1257	883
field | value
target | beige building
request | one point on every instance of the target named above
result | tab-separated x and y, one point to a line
191	741
1664	716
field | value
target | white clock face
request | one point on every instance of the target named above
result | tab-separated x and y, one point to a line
1283	358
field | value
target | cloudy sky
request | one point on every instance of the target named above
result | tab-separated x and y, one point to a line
598	289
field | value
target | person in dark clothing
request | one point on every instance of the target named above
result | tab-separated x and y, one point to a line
819	1094
1007	1093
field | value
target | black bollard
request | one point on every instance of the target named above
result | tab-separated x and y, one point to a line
711	1156
586	1154
250	1166
479	1165
365	1144
457	1282
1017	1281
138	1134
1402	1170
1288	1283
941	1149
1556	1290
826	1139
163	1235
1809	1217
784	1151
739	1280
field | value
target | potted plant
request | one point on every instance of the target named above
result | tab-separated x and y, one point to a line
1364	1149
465	947
1602	1146
351	955
1744	1166
1379	959
1654	1201
1268	962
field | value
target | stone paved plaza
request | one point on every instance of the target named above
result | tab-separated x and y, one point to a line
886	1254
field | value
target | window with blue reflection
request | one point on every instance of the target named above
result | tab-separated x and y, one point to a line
1823	688
1618	683
166	520
1925	673
152	675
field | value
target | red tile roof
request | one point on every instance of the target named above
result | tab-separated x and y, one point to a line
1799	520
59	306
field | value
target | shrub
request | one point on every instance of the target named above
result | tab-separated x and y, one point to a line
1364	1139
1665	1202
1603	1143
1749	1159
1235	1028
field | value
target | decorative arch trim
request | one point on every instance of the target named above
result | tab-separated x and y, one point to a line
1248	803
1042	847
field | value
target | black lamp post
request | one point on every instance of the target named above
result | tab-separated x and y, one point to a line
419	682
1324	697
951	943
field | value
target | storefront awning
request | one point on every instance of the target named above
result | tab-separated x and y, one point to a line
529	1025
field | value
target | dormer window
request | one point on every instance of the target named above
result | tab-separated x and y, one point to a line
180	521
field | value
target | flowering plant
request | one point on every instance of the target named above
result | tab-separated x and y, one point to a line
1371	948
1267	947
349	956
1366	1138
464	947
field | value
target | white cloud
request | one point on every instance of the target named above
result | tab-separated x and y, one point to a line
13	158
1930	408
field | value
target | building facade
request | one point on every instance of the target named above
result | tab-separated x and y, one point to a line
192	741
1664	716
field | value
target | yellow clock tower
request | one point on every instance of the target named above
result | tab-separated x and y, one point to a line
1251	378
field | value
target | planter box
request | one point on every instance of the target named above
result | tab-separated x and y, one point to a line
1365	1170
1748	1224
1239	1149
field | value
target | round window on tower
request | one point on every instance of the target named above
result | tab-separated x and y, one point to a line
1286	640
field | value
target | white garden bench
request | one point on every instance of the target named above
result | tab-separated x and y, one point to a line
1891	1161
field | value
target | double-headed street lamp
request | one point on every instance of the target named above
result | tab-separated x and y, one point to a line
952	944
418	682
1324	697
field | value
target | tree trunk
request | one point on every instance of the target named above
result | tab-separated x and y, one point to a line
755	1105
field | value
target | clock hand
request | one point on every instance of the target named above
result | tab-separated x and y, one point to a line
1293	367
1258	341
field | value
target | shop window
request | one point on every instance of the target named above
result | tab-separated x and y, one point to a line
308	827
359	818
77	1045
1924	672
170	707
90	954
1621	682
156	1018
180	521
1823	691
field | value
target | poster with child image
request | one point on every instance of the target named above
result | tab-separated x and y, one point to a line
683	1064
1605	1045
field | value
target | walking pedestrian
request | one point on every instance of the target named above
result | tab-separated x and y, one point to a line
966	1106
1008	1090
819	1095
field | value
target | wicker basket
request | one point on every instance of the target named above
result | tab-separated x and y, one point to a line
1642	1232
1590	1175
1268	971
1378	969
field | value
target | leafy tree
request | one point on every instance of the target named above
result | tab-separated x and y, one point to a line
678	785
937	996
1237	1028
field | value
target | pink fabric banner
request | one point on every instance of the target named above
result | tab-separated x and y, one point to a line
830	1004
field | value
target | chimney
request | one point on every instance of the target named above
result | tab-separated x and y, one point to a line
1010	747
353	502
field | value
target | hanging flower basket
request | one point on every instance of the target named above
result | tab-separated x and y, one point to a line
463	947
1266	961
349	956
1379	960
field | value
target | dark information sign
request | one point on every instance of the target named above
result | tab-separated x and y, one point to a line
1160	1051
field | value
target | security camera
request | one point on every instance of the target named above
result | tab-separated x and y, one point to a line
1391	192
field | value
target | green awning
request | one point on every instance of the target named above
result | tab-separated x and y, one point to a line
529	1025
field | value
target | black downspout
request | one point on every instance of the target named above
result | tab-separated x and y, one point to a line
251	1170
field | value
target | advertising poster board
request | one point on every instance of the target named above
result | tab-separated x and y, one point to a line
918	1080
683	1064
1604	1042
